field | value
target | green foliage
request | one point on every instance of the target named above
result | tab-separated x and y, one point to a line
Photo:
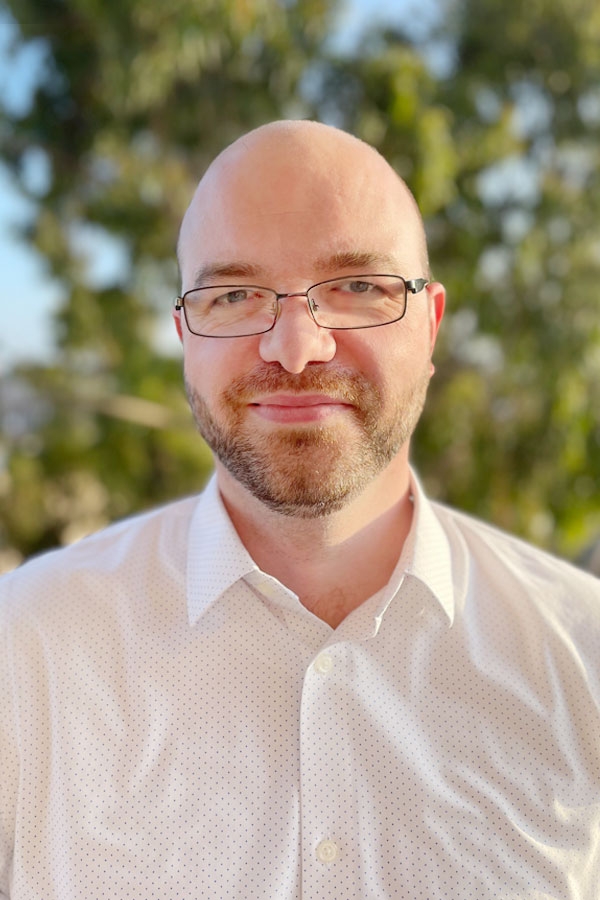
500	146
526	104
136	98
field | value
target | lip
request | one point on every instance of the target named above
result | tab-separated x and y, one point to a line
296	408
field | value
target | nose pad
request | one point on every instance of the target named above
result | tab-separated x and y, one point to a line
296	340
313	306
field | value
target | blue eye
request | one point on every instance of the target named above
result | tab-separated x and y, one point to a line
356	286
360	287
236	296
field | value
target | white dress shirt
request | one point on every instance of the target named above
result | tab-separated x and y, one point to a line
174	724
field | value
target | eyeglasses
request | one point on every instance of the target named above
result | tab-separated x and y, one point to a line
355	301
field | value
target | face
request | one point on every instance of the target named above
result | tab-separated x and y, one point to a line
310	464
303	418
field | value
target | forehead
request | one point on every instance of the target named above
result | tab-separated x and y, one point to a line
279	205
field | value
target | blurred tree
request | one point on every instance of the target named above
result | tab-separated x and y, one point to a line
525	94
492	115
136	98
525	97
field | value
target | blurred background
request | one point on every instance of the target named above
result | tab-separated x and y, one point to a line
110	112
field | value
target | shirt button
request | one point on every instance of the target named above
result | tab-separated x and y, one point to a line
327	851
323	664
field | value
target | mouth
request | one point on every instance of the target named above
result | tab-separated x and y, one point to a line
297	408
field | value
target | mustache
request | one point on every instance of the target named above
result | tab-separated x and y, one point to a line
339	383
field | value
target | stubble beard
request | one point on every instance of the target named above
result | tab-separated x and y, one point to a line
314	470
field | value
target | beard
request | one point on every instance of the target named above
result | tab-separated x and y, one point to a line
309	471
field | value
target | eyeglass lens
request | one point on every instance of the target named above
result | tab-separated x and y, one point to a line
357	301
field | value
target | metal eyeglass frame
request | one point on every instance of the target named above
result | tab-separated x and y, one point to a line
411	285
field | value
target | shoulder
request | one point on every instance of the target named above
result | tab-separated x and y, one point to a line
524	597
124	556
511	565
483	536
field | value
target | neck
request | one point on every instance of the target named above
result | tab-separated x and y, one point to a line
332	563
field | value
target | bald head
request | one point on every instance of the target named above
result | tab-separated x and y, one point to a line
292	180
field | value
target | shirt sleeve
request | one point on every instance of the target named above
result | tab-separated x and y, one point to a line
9	756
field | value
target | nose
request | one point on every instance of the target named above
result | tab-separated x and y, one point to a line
296	340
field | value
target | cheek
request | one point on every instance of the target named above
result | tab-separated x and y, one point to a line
402	360
210	365
199	368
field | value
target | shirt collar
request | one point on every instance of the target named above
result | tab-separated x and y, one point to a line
217	559
427	554
216	556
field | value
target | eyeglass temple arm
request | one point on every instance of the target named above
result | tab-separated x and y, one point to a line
416	284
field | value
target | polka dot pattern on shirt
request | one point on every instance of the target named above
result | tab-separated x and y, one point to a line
175	725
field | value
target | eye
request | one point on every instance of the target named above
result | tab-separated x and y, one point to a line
237	295
352	287
358	287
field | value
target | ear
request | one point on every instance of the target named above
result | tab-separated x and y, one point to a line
437	302
178	325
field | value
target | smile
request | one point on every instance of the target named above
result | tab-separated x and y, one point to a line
296	408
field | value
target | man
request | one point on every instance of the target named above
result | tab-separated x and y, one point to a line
310	681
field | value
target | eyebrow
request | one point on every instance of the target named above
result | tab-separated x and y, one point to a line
345	259
355	259
213	271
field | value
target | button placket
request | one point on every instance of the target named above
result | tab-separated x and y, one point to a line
329	850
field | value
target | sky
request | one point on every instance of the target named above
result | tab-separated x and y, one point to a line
27	296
